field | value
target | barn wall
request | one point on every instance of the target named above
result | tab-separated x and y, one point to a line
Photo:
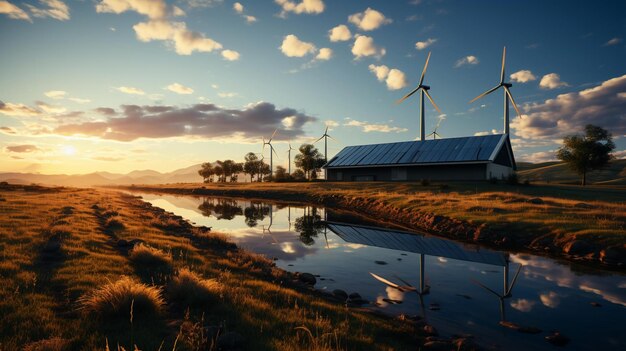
498	171
433	172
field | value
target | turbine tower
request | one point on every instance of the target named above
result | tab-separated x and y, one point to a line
423	91
507	95
325	136
269	142
289	156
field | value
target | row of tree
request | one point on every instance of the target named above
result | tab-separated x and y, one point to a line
308	162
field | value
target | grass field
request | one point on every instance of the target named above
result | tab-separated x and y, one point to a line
562	220
72	280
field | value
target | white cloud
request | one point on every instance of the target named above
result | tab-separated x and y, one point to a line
55	94
381	71
294	47
371	127
613	41
550	299
324	54
226	95
523	305
230	55
620	155
331	124
364	46
304	6
131	90
523	76
153	9
178	12
552	81
394	78
369	19
421	45
52	109
179	89
79	100
13	11
493	131
289	122
238	7
538	157
18	110
56	9
185	42
467	60
569	113
339	33
202	3
249	19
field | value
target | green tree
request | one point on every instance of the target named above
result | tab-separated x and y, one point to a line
218	170
264	170
585	153
251	165
309	159
281	174
206	172
298	174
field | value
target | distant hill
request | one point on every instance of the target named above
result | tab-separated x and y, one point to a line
556	172
183	175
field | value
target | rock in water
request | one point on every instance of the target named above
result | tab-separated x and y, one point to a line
340	294
307	278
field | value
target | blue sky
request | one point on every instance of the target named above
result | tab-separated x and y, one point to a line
205	80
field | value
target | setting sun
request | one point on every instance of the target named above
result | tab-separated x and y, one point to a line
69	150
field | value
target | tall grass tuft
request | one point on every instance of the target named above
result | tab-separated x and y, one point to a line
114	299
149	256
53	344
188	287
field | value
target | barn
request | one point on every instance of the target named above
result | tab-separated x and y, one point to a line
467	158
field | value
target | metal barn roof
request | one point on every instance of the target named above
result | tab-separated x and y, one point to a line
410	242
451	150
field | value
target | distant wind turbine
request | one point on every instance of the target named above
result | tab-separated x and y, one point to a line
507	95
269	142
423	91
289	156
434	133
325	136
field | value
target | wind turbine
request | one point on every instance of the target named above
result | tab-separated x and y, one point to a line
507	95
434	133
289	156
269	142
325	136
423	91
506	291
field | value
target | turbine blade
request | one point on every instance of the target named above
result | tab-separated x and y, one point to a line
326	131
409	94
424	70
389	283
486	93
322	137
432	101
333	138
274	151
486	288
273	134
508	92
514	279
503	61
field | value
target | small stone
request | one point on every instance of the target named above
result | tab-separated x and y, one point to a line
354	296
340	294
430	330
557	339
307	278
584	205
380	262
536	201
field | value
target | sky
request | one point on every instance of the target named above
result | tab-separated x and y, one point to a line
121	85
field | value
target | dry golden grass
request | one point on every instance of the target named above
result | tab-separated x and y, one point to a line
191	289
114	300
147	255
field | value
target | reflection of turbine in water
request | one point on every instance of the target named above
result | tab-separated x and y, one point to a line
506	293
407	287
269	227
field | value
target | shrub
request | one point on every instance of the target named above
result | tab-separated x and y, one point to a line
512	179
189	287
114	299
149	256
53	344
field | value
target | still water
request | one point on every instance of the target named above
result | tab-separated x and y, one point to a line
586	305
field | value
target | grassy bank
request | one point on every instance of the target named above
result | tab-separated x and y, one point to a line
585	224
86	269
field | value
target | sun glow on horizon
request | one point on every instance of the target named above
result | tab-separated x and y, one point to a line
68	150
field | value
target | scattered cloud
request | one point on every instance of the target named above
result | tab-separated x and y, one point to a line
552	81
226	95
421	45
13	11
22	148
369	19
467	60
56	9
18	110
107	158
79	100
550	299
523	305
201	120
50	109
617	154
538	157
364	46
7	130
371	127
568	113
179	89
305	6
613	41
202	3
523	76
230	55
294	47
131	90
324	54
493	131
107	111
339	33
328	123
239	9
55	94
394	78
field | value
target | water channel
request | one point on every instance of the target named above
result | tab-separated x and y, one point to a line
452	280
